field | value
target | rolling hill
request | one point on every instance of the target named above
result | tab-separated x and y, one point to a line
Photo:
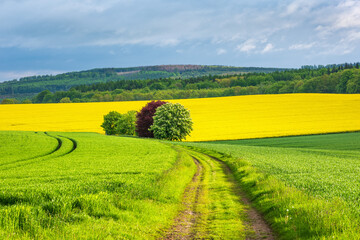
29	86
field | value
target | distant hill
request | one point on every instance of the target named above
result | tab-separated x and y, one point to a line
330	79
28	86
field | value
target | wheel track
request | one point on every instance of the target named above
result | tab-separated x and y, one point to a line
256	223
40	158
188	223
73	148
184	223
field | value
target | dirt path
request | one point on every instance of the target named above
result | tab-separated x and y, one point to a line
258	227
214	207
183	227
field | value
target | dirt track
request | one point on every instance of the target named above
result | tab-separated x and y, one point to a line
204	191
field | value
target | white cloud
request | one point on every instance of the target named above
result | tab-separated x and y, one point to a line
68	23
301	46
343	16
192	27
221	51
300	7
269	47
352	36
349	15
247	46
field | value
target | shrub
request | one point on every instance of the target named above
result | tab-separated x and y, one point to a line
144	118
126	124
119	124
110	122
172	122
26	101
8	101
65	100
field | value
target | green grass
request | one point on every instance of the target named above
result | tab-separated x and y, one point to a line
17	146
336	141
307	187
221	213
91	187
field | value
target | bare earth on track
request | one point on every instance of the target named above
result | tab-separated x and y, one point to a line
192	223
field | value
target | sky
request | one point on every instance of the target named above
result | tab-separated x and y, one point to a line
40	37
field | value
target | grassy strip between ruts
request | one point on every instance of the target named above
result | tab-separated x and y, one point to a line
292	213
212	207
221	213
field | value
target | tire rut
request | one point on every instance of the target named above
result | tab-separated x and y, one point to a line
44	157
189	222
256	222
74	146
38	156
183	227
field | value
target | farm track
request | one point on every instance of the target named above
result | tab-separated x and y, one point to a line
183	227
206	202
255	222
47	156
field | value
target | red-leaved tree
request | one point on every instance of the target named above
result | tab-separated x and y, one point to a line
144	118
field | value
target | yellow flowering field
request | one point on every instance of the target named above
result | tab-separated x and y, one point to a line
239	117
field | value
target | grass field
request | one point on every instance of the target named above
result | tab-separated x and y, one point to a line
79	185
310	183
92	186
223	118
323	165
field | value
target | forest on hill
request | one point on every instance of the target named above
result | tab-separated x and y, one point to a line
63	82
336	79
342	78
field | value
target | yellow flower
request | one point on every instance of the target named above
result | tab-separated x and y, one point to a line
239	117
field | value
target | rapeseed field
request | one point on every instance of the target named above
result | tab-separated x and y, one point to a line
223	118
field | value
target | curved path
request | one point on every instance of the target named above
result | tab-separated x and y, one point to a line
214	207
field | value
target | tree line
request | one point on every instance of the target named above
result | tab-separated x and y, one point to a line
309	79
64	81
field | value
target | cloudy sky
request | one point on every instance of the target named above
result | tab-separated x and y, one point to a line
49	37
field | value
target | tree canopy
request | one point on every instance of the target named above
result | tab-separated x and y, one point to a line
144	118
172	122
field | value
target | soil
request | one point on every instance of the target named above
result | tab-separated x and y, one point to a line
183	224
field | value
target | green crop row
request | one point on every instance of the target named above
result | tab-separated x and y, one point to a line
91	186
307	187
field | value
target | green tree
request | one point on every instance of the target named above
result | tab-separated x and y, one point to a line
353	85
65	100
110	123
119	124
26	101
127	123
7	101
172	122
40	97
